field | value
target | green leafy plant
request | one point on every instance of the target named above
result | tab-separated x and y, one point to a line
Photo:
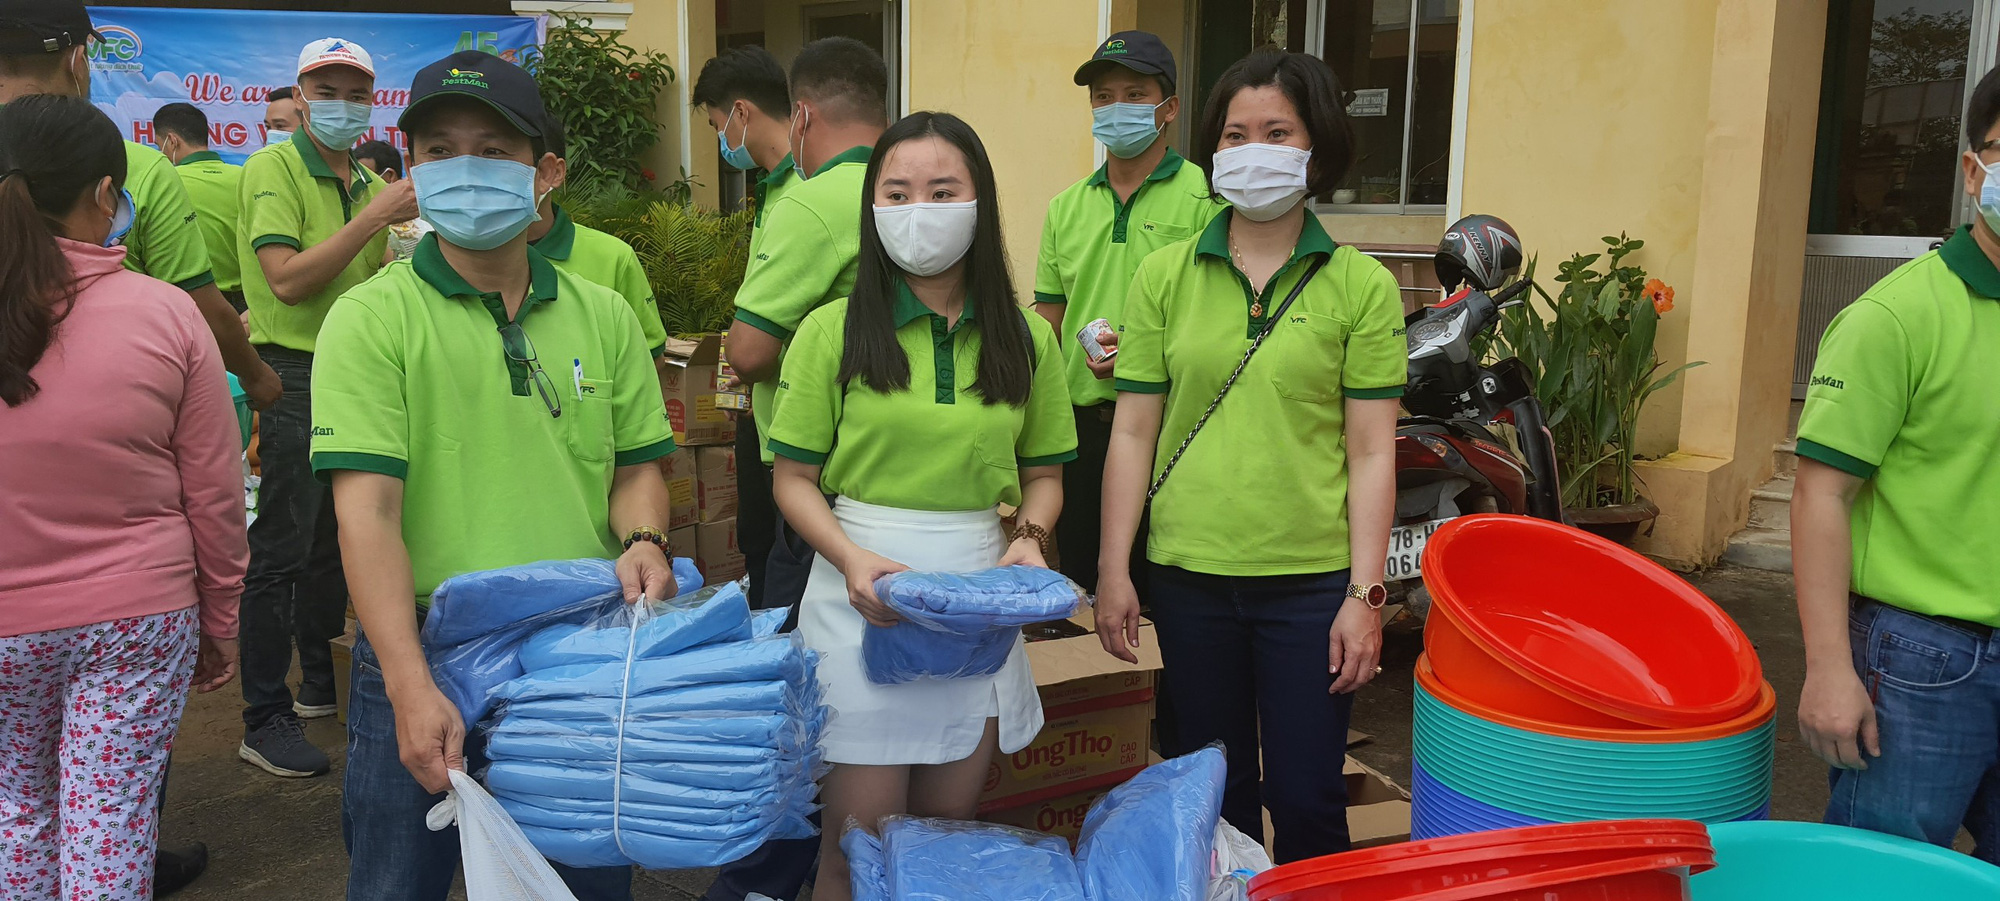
693	258
605	93
1590	352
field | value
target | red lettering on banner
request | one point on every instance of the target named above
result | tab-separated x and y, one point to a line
142	132
204	88
234	134
228	93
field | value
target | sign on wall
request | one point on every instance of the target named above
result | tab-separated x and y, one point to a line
228	61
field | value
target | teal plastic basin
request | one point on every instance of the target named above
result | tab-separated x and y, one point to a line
1775	861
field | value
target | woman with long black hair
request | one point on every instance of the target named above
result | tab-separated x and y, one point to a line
1269	525
921	403
113	598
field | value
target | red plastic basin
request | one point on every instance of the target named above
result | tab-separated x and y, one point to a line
1628	860
1545	622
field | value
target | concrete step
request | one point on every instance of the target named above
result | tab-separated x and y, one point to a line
1771	505
1785	460
1765	549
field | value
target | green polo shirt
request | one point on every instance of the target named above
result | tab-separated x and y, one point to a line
936	445
1263	490
770	189
291	197
1904	396
587	253
212	187
811	242
1092	243
412	380
165	241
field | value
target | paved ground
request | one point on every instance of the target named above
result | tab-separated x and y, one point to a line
276	838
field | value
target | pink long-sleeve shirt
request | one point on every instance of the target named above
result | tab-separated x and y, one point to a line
121	483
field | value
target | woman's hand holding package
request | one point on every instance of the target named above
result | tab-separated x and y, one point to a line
862	568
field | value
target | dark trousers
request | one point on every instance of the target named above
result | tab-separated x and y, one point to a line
779	869
295	591
756	509
1078	531
392	854
1250	651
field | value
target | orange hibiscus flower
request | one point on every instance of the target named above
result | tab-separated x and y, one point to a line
1661	294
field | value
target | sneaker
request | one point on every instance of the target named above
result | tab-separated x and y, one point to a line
175	868
279	747
314	703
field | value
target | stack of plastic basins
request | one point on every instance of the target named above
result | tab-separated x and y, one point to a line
1566	679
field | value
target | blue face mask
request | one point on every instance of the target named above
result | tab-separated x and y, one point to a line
1989	196
474	202
737	157
121	221
1125	129
338	123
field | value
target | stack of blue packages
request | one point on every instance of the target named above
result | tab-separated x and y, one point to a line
473	633
946	860
957	625
675	736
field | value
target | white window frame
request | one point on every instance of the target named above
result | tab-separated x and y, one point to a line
1315	27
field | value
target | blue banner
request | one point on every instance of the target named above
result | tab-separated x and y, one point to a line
227	61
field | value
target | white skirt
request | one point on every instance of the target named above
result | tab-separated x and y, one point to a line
929	721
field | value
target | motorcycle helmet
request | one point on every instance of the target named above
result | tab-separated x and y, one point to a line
1480	251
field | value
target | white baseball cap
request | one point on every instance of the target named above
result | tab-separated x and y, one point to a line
335	52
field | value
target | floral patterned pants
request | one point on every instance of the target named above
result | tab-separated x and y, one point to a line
87	716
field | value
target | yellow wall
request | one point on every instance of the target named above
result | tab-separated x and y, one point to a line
1585	120
656	25
1006	68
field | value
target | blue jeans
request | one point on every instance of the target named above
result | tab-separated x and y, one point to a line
295	592
1937	704
1240	651
392	855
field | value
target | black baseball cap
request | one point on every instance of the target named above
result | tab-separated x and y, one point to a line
505	87
44	26
1141	51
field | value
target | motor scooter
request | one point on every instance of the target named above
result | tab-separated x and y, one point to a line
1475	438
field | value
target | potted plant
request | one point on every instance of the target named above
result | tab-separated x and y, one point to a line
1590	352
694	258
604	92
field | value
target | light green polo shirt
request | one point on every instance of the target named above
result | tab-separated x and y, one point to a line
1906	395
290	197
936	445
770	189
212	186
412	380
811	243
587	253
1262	491
1092	243
165	241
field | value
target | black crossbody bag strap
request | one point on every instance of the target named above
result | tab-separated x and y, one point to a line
1311	270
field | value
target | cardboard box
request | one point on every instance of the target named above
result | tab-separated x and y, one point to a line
686	543
343	665
689	385
1057	816
1098	730
715	483
716	553
679	470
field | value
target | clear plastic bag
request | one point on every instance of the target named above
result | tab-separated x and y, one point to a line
1237	859
477	622
959	625
670	735
500	863
1154	836
948	860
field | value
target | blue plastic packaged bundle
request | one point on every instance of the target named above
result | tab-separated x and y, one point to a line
1153	838
863	850
477	622
958	625
671	736
948	860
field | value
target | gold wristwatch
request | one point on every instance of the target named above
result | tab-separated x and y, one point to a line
1374	595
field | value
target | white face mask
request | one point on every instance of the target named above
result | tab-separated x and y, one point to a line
926	238
1989	196
1262	181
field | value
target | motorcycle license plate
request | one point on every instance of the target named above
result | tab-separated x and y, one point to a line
1406	550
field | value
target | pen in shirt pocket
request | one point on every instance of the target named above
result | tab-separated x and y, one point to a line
576	376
